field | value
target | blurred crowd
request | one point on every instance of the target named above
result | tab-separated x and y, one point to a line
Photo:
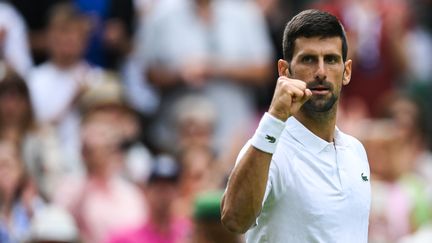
120	120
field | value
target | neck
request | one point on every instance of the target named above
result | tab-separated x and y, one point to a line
101	176
12	132
64	63
204	11
5	207
321	124
161	222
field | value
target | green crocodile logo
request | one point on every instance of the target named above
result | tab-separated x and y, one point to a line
270	139
365	178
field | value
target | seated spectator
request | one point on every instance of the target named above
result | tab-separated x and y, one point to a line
194	122
39	146
18	196
201	172
58	84
106	101
162	226
102	202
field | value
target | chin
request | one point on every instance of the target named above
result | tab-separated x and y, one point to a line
319	105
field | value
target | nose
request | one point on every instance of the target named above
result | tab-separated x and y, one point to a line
321	71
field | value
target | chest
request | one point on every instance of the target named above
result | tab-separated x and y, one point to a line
332	184
223	38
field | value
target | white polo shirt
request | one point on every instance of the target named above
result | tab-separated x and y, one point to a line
316	192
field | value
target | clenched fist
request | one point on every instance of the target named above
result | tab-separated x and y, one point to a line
290	94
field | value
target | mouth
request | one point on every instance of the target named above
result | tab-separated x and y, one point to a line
320	90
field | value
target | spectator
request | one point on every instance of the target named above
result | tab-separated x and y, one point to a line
194	122
400	163
106	102
57	84
35	15
163	226
201	172
102	202
39	146
16	114
18	196
112	30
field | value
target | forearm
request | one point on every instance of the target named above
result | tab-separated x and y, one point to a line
243	198
162	77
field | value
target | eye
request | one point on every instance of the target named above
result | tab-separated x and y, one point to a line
331	59
308	59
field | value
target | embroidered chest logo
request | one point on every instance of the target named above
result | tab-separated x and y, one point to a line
364	177
270	139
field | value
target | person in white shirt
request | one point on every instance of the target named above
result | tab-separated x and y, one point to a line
299	178
14	49
57	85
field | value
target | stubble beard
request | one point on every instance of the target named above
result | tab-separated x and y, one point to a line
320	106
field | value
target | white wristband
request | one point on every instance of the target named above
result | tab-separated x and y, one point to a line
267	134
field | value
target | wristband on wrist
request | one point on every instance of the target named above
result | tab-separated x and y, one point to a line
267	134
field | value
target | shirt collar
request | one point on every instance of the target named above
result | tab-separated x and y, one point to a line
308	139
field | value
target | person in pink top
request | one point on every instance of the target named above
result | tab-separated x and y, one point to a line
102	202
162	226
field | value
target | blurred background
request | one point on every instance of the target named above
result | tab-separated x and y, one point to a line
120	120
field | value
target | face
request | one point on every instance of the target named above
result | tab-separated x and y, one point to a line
67	41
13	107
318	62
10	169
160	194
100	146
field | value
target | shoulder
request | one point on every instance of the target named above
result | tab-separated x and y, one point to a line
8	12
354	144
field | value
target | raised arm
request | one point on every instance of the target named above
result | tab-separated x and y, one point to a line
243	198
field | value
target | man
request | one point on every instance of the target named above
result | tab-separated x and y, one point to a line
300	179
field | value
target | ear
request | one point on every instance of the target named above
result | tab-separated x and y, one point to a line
283	68
347	72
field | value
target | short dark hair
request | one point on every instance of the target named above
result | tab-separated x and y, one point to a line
312	23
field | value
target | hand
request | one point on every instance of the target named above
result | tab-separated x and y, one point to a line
195	73
289	96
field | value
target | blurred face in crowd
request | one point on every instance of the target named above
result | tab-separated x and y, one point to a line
318	62
101	146
405	114
193	132
160	195
67	40
197	163
14	107
11	170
